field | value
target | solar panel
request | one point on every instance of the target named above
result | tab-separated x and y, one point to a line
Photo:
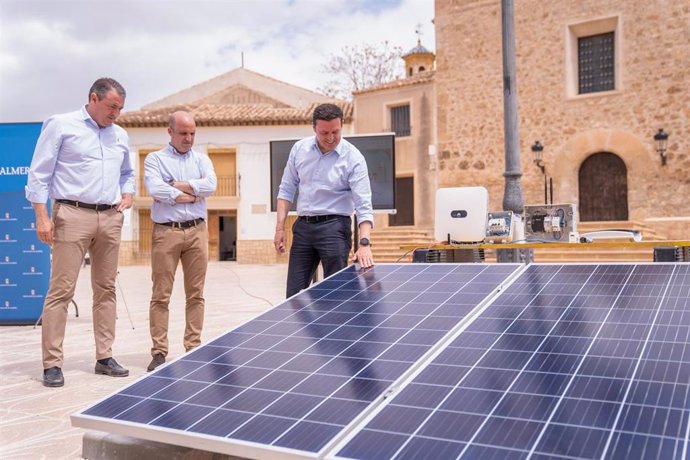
291	382
570	361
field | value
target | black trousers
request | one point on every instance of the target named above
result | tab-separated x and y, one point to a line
327	242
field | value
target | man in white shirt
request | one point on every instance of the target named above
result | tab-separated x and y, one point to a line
179	180
333	182
82	161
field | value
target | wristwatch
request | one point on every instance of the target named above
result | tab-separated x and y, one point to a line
364	242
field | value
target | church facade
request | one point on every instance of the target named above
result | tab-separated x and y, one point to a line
596	81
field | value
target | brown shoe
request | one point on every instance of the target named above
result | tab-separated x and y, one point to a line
157	360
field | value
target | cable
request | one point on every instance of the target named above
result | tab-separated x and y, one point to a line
239	283
122	295
535	240
406	254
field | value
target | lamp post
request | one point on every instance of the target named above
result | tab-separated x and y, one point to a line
538	151
512	192
661	141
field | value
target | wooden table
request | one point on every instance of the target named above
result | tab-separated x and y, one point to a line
559	245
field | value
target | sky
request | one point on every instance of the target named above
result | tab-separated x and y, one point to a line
51	51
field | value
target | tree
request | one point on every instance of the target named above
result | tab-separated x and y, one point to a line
361	66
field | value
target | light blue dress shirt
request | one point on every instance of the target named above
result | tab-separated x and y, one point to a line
167	165
333	183
77	160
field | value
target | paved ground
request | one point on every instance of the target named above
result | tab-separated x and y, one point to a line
34	420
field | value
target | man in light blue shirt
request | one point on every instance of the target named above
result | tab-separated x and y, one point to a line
179	180
82	161
333	182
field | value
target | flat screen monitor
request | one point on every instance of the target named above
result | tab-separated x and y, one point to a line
379	153
461	214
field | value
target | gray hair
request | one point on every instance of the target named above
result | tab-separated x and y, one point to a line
103	86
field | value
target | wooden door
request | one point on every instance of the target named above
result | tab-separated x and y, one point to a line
225	164
603	186
145	231
404	202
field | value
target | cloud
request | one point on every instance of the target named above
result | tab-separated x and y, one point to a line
52	50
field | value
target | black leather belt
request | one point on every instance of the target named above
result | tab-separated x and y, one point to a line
315	219
186	224
94	207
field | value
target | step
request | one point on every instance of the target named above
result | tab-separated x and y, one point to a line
387	242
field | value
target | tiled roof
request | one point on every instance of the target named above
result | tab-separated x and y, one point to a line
229	115
417	79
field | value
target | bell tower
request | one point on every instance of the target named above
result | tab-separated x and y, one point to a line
418	59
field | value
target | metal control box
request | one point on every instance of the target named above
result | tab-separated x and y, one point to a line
500	226
551	222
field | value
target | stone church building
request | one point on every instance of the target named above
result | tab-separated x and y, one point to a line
596	80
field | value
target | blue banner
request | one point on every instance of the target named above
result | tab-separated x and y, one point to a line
24	260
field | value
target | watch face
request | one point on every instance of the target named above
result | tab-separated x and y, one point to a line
364	242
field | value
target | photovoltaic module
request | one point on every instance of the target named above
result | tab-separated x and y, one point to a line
437	361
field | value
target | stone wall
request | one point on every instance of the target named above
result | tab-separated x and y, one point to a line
652	92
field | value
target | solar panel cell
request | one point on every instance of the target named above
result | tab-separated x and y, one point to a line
215	395
263	429
181	417
220	422
308	436
377	445
337	411
145	411
112	406
423	448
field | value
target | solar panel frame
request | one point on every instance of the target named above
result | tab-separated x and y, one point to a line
445	449
397	314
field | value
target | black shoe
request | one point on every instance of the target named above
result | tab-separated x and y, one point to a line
157	360
52	377
112	368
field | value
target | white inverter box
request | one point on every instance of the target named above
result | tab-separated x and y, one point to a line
461	214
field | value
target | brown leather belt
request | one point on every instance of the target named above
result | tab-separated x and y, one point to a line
186	224
94	207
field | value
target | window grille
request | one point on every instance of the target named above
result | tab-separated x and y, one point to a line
400	120
596	63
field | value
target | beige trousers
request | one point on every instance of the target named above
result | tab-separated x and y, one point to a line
78	230
170	246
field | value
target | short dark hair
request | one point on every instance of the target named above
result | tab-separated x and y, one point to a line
103	85
327	112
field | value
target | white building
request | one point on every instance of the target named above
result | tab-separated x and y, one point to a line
237	115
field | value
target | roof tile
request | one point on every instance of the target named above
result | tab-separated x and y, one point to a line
229	115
